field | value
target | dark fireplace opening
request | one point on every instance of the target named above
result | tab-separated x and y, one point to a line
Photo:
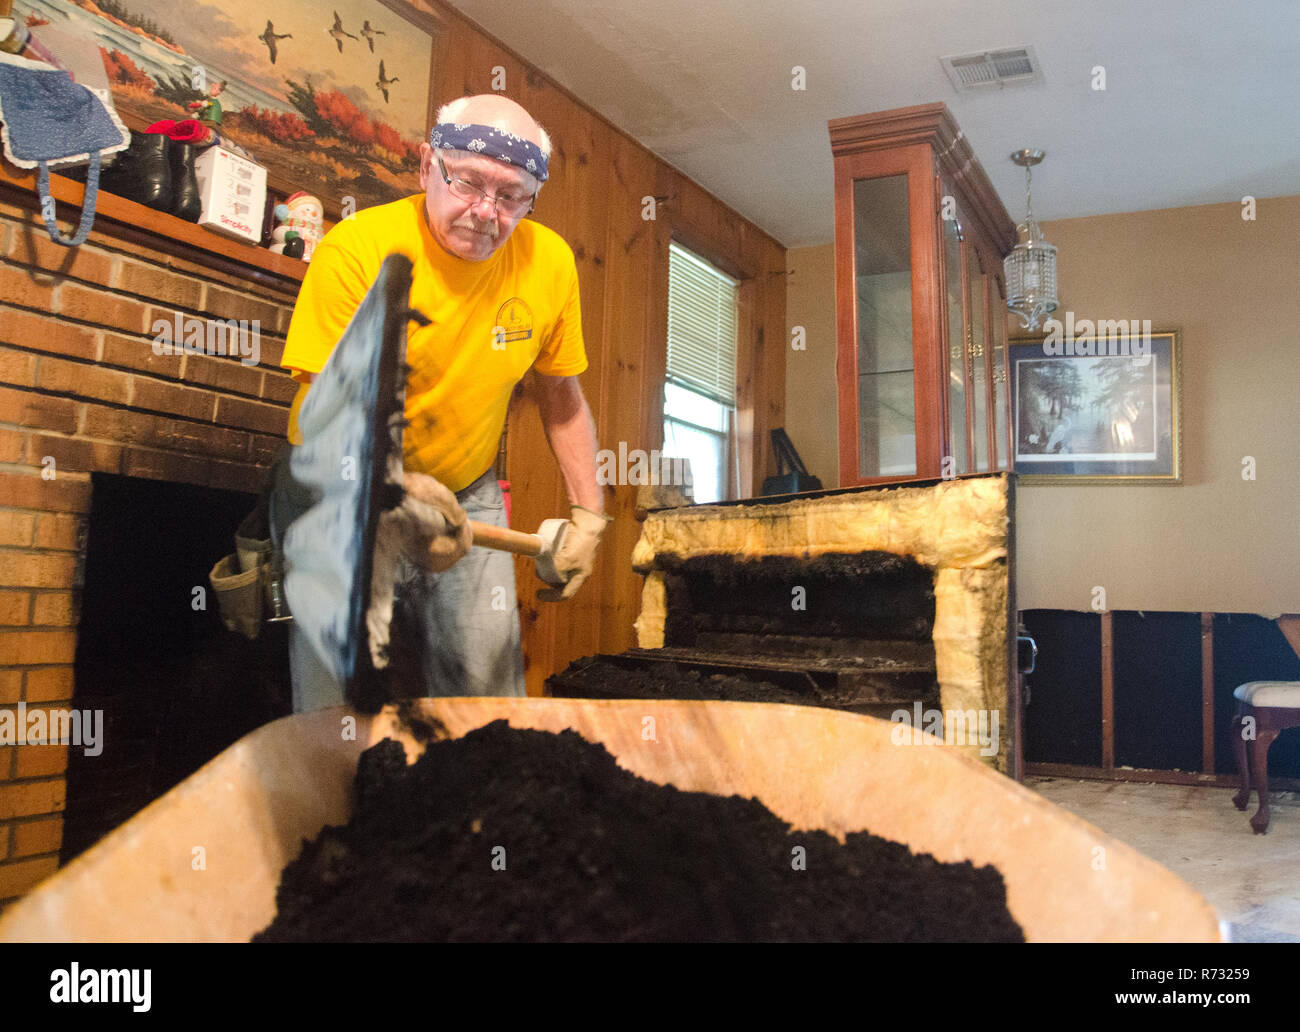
175	687
832	604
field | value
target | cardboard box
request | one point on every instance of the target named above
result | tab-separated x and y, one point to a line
233	191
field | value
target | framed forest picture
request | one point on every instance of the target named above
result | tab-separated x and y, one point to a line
1100	410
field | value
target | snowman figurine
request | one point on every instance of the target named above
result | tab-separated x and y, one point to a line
302	217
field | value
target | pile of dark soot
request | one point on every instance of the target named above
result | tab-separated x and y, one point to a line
877	689
602	677
516	835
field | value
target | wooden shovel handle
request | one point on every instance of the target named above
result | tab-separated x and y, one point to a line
502	539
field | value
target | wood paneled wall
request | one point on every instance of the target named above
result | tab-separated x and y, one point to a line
595	197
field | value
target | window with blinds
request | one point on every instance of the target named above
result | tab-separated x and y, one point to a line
700	395
701	326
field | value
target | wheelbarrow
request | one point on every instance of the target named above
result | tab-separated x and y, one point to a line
203	862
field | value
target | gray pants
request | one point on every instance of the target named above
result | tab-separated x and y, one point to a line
466	617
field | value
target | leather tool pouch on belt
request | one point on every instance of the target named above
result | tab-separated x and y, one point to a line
249	583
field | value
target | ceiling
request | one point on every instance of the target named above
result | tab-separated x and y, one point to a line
1201	105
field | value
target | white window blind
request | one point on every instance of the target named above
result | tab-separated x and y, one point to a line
701	326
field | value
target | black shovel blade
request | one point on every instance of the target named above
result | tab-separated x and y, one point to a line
351	424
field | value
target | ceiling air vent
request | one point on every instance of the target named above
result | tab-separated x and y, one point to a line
993	69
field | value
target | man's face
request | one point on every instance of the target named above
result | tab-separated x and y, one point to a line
470	229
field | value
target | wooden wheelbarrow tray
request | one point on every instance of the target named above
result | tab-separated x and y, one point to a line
203	862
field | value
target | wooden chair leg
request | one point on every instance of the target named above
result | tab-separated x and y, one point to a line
1242	799
1259	770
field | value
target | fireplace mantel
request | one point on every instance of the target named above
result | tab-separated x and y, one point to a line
129	221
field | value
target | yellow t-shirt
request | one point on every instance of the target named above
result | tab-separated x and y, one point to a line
489	322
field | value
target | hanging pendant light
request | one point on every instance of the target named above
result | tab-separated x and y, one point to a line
1030	268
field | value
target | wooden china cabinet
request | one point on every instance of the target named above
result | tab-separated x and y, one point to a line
920	236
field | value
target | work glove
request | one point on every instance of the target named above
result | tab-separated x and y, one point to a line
430	530
577	553
441	533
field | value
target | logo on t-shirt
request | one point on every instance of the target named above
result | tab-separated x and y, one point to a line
514	321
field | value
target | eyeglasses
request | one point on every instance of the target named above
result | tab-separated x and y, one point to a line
507	204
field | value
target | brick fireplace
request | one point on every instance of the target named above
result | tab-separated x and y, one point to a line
83	391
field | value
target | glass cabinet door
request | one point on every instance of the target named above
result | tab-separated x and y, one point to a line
883	301
977	354
955	366
1001	396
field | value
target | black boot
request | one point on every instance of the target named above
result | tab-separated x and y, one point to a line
142	173
186	203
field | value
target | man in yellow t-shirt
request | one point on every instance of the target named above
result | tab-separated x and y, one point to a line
501	295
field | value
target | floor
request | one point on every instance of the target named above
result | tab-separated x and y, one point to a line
1252	881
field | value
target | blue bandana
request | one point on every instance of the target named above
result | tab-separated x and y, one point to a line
506	147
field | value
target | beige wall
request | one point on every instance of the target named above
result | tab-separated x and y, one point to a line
811	403
1216	542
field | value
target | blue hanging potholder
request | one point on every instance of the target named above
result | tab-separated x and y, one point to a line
48	117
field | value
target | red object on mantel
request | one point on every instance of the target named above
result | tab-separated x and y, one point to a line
187	130
505	493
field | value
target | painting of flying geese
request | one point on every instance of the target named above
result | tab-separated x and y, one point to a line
331	96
